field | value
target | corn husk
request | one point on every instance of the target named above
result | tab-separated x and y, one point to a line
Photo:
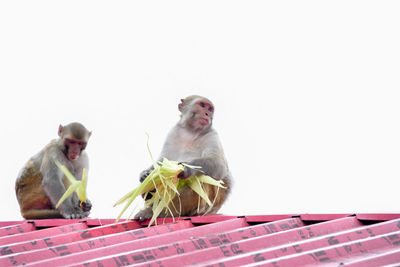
164	179
75	185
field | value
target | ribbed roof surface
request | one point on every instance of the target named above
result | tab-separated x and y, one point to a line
270	240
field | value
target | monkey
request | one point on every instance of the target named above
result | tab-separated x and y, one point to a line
194	141
40	183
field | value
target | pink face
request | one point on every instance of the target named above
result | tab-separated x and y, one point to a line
205	112
74	148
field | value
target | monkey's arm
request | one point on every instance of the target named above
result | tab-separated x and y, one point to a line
41	214
211	158
84	163
212	166
54	188
212	163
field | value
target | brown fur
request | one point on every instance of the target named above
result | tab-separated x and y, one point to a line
189	203
31	197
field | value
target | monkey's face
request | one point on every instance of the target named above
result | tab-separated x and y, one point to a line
74	148
73	139
203	113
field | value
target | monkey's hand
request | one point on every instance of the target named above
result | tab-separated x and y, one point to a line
187	172
143	175
86	206
190	171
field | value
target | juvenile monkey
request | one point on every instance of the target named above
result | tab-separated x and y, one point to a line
195	142
40	184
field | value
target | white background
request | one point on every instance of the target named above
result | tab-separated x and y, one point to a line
306	93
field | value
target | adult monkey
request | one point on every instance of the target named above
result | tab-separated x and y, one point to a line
40	183
195	142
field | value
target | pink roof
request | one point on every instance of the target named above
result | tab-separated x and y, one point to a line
215	240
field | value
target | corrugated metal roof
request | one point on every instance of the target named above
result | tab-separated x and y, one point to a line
215	240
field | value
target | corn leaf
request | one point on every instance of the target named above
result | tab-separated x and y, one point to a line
124	198
171	185
208	180
130	200
75	185
191	166
157	208
71	189
163	185
66	172
144	187
81	191
164	179
195	185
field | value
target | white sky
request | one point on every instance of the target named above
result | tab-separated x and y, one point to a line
307	95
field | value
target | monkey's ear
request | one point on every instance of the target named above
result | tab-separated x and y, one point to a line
60	130
90	134
180	106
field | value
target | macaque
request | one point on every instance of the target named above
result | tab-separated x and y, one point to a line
195	142
40	183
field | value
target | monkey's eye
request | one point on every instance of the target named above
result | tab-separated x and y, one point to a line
202	104
210	109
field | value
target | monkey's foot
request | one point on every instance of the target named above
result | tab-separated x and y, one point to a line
75	216
144	214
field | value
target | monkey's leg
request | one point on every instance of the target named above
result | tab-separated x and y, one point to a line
41	214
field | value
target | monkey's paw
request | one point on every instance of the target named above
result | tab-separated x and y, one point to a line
71	213
86	206
144	214
74	216
186	173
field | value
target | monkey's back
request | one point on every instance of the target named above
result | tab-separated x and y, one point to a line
29	190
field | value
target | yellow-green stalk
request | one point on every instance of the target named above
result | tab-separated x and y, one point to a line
164	178
75	185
